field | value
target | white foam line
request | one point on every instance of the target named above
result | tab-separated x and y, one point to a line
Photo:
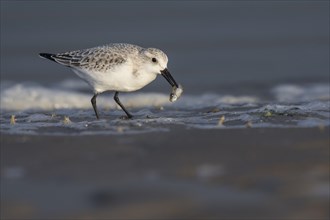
293	93
21	97
26	97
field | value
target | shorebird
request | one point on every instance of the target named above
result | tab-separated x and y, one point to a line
117	67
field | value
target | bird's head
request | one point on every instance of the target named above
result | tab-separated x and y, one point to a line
156	62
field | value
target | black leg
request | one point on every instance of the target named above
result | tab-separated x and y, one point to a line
93	100
121	105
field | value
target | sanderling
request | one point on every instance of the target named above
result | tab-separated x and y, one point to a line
117	67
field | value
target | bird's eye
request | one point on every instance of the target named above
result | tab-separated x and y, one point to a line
154	60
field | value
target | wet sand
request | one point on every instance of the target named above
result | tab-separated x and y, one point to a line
259	62
181	174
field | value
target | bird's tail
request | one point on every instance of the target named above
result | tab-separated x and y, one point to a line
47	56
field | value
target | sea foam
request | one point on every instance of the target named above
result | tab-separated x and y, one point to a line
65	109
67	95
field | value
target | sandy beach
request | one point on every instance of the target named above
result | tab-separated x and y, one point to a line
181	174
248	139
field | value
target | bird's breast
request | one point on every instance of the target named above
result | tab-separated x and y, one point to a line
127	79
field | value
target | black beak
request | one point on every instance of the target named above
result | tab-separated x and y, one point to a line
168	77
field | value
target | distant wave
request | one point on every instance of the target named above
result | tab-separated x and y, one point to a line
296	93
68	95
21	97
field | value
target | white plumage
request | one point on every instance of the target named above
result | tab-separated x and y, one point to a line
116	67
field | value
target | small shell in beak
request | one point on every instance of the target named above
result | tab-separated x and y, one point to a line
176	93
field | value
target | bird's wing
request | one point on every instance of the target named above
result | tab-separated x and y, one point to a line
70	59
99	59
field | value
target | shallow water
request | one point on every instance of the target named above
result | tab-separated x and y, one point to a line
246	67
65	109
242	64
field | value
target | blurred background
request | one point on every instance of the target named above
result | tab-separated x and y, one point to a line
212	46
191	167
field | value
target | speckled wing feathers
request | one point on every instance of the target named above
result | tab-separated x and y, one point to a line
100	58
67	59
